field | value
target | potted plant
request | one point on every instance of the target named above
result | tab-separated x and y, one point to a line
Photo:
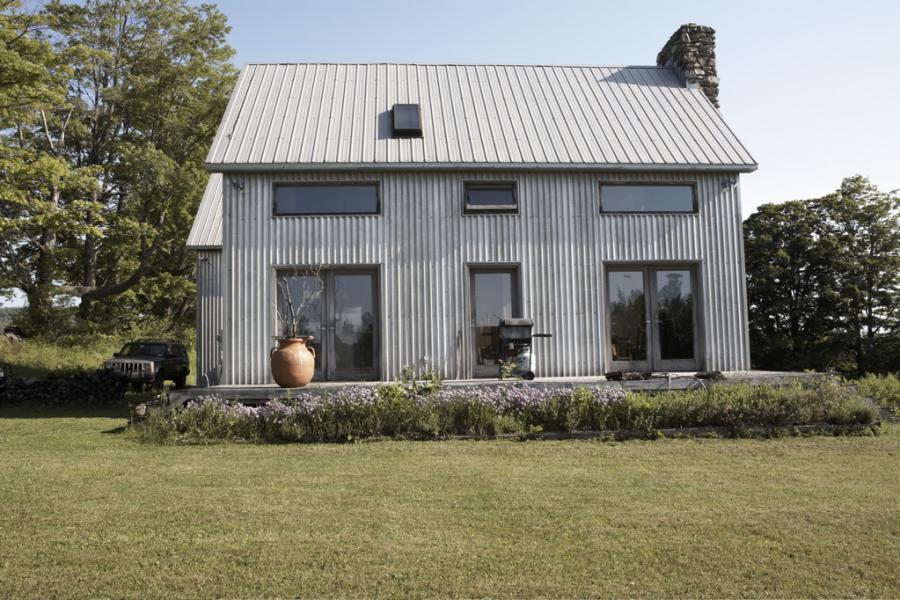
293	361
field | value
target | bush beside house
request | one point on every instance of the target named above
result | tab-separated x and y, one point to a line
395	411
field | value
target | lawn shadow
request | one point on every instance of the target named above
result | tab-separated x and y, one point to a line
76	410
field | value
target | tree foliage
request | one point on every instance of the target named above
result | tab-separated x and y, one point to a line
823	281
102	167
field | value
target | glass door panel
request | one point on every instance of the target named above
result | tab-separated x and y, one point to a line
627	308
493	297
353	334
675	318
306	291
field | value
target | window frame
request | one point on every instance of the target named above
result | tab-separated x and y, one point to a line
516	288
341	183
695	207
491	209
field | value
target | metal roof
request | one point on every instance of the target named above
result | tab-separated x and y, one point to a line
299	116
206	232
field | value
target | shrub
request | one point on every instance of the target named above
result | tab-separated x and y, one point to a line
740	407
883	389
395	410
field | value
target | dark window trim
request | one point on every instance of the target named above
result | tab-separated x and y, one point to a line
332	183
692	184
497	209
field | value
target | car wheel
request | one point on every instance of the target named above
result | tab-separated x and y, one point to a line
180	382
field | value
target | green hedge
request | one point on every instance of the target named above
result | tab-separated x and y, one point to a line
883	389
393	410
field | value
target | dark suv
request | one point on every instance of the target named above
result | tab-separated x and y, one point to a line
151	362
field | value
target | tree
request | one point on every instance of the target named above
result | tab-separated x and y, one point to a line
39	189
864	226
788	286
145	83
823	277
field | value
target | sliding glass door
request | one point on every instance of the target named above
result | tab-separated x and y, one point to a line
340	312
652	318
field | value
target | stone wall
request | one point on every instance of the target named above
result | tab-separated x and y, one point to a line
692	50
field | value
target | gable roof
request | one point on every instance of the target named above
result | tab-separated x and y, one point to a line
206	232
338	115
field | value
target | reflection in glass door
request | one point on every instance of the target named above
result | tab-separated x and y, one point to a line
306	292
341	313
494	296
628	319
353	326
674	320
652	320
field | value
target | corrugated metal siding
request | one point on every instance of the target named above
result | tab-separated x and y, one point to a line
296	115
210	317
422	245
206	232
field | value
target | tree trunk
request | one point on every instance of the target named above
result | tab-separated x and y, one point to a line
89	265
40	296
40	302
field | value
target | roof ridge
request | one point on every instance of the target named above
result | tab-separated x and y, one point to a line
455	64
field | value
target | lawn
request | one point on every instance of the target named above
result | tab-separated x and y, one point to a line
87	511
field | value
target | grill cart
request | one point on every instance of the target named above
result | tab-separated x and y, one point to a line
516	356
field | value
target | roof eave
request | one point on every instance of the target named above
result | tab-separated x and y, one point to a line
684	168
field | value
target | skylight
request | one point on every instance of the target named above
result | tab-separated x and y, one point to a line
407	121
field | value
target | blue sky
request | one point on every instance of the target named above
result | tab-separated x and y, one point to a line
812	88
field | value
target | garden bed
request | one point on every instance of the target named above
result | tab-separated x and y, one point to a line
521	412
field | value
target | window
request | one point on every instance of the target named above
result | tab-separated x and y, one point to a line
491	197
326	199
647	198
407	121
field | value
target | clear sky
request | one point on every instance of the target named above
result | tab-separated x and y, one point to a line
812	88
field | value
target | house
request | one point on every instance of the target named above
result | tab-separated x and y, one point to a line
432	199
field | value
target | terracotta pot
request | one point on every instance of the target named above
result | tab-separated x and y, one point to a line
293	362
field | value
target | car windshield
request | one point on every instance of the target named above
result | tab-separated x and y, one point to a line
144	350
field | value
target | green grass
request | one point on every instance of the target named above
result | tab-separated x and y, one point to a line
36	358
89	512
39	358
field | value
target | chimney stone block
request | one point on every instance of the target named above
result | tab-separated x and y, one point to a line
692	52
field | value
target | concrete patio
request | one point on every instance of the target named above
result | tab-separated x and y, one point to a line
652	383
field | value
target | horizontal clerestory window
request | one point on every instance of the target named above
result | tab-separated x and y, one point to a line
326	199
491	197
647	198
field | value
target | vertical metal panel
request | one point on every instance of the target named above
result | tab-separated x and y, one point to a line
210	317
422	244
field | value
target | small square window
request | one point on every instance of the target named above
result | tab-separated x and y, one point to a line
491	198
407	120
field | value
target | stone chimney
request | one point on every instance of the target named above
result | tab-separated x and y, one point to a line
692	52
